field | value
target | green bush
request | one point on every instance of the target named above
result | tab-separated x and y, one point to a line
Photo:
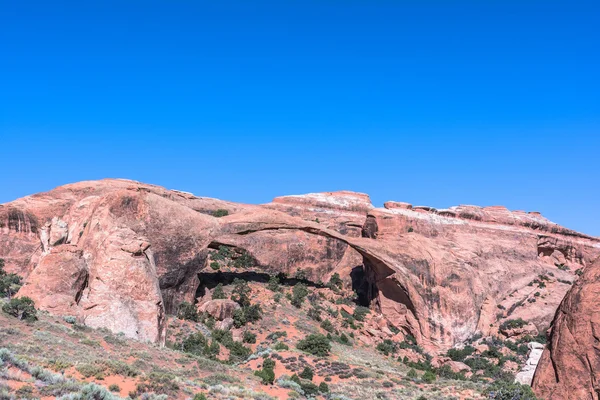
114	388
200	396
218	293
428	377
244	261
513	323
281	346
188	312
221	212
412	373
273	284
299	293
460	354
9	283
307	373
267	373
314	314
387	347
360	313
323	387
335	282
215	265
249	337
316	344
194	343
22	308
247	314
327	325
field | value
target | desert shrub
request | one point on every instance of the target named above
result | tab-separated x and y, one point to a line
299	293
215	265
315	344
159	383
238	352
323	387
307	373
314	314
428	377
247	314
360	312
273	284
387	347
327	325
276	335
90	391
460	354
343	339
513	323
335	282
114	388
249	337
187	311
221	212
222	254
22	308
218	293
245	260
194	343
267	373
200	396
509	391
309	388
9	283
69	319
281	346
412	373
562	267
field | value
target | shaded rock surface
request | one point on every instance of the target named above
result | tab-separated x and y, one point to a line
120	254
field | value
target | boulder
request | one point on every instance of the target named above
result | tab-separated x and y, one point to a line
220	309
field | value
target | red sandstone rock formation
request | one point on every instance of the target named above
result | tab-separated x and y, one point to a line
119	254
570	365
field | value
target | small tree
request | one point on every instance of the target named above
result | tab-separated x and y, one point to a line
187	311
335	281
9	283
307	373
360	312
273	284
249	337
323	387
241	292
267	373
428	377
299	293
22	308
218	292
327	325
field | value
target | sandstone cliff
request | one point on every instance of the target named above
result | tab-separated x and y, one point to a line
120	254
570	365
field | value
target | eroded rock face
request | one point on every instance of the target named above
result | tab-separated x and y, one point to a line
570	365
121	254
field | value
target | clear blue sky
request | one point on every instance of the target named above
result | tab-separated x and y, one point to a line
434	103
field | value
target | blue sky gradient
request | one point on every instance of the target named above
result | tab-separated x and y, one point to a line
434	103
